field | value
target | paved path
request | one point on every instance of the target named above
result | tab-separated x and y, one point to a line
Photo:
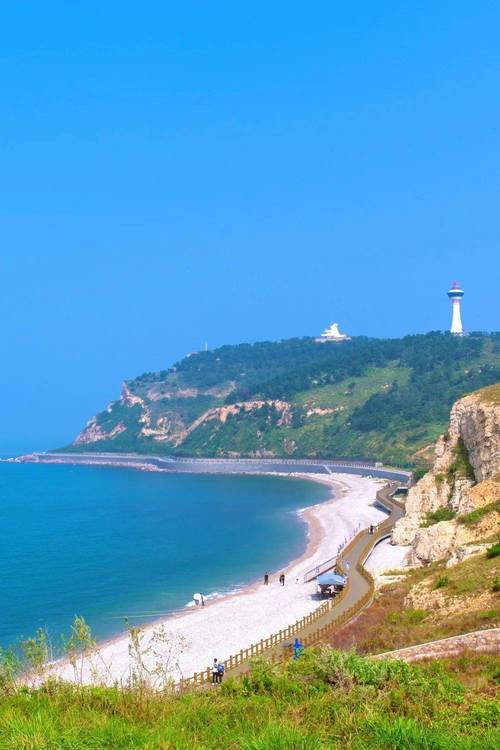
360	587
480	640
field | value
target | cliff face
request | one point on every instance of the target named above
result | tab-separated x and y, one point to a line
465	476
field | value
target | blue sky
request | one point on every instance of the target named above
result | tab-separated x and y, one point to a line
175	173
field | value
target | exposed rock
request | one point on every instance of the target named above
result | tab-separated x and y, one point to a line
433	543
486	492
171	429
459	554
128	398
461	500
468	453
91	433
318	411
440	604
431	493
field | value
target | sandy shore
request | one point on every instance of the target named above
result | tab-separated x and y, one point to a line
188	641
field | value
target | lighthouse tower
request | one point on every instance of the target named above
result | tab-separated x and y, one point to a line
456	294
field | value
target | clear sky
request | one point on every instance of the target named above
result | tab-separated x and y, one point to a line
175	173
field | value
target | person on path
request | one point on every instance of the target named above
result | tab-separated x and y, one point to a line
220	672
298	648
266	579
282	579
215	672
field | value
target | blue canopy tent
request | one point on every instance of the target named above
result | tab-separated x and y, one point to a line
330	583
331	579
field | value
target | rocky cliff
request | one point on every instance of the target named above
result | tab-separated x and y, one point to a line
455	505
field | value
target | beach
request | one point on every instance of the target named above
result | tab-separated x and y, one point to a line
188	641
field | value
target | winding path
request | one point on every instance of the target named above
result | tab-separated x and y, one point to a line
332	613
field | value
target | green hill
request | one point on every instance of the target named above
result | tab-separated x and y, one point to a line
367	398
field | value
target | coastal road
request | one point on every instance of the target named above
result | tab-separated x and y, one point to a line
220	466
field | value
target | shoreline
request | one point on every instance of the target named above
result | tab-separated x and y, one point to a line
242	465
187	640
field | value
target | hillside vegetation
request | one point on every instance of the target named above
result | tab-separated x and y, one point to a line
384	399
429	603
323	701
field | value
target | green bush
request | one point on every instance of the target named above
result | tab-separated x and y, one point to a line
419	473
493	551
441	514
326	700
442	582
473	518
279	737
461	466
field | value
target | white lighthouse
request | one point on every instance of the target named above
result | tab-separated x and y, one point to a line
456	294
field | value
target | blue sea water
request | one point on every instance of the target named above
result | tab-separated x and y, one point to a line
113	543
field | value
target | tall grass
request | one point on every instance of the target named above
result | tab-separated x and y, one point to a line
322	701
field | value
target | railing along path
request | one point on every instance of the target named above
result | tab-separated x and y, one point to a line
332	613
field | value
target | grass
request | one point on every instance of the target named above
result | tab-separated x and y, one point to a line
419	473
490	394
441	582
388	624
441	514
353	391
461	467
326	700
473	518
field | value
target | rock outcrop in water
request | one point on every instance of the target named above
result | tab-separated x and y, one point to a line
465	477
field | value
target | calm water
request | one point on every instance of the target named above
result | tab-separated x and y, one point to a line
109	543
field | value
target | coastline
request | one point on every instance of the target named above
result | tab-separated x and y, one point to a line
187	640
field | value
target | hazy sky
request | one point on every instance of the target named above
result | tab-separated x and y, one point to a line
175	173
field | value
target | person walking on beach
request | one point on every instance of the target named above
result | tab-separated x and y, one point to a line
215	672
282	579
266	579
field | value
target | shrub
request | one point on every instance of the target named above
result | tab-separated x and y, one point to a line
441	514
278	737
419	473
493	551
496	585
442	582
490	614
473	518
405	733
461	466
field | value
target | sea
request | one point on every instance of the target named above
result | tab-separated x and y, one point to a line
117	545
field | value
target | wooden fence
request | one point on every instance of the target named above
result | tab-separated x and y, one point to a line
278	646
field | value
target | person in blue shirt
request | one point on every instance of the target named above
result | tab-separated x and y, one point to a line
298	648
221	669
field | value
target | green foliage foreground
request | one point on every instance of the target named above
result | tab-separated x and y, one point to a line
324	700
